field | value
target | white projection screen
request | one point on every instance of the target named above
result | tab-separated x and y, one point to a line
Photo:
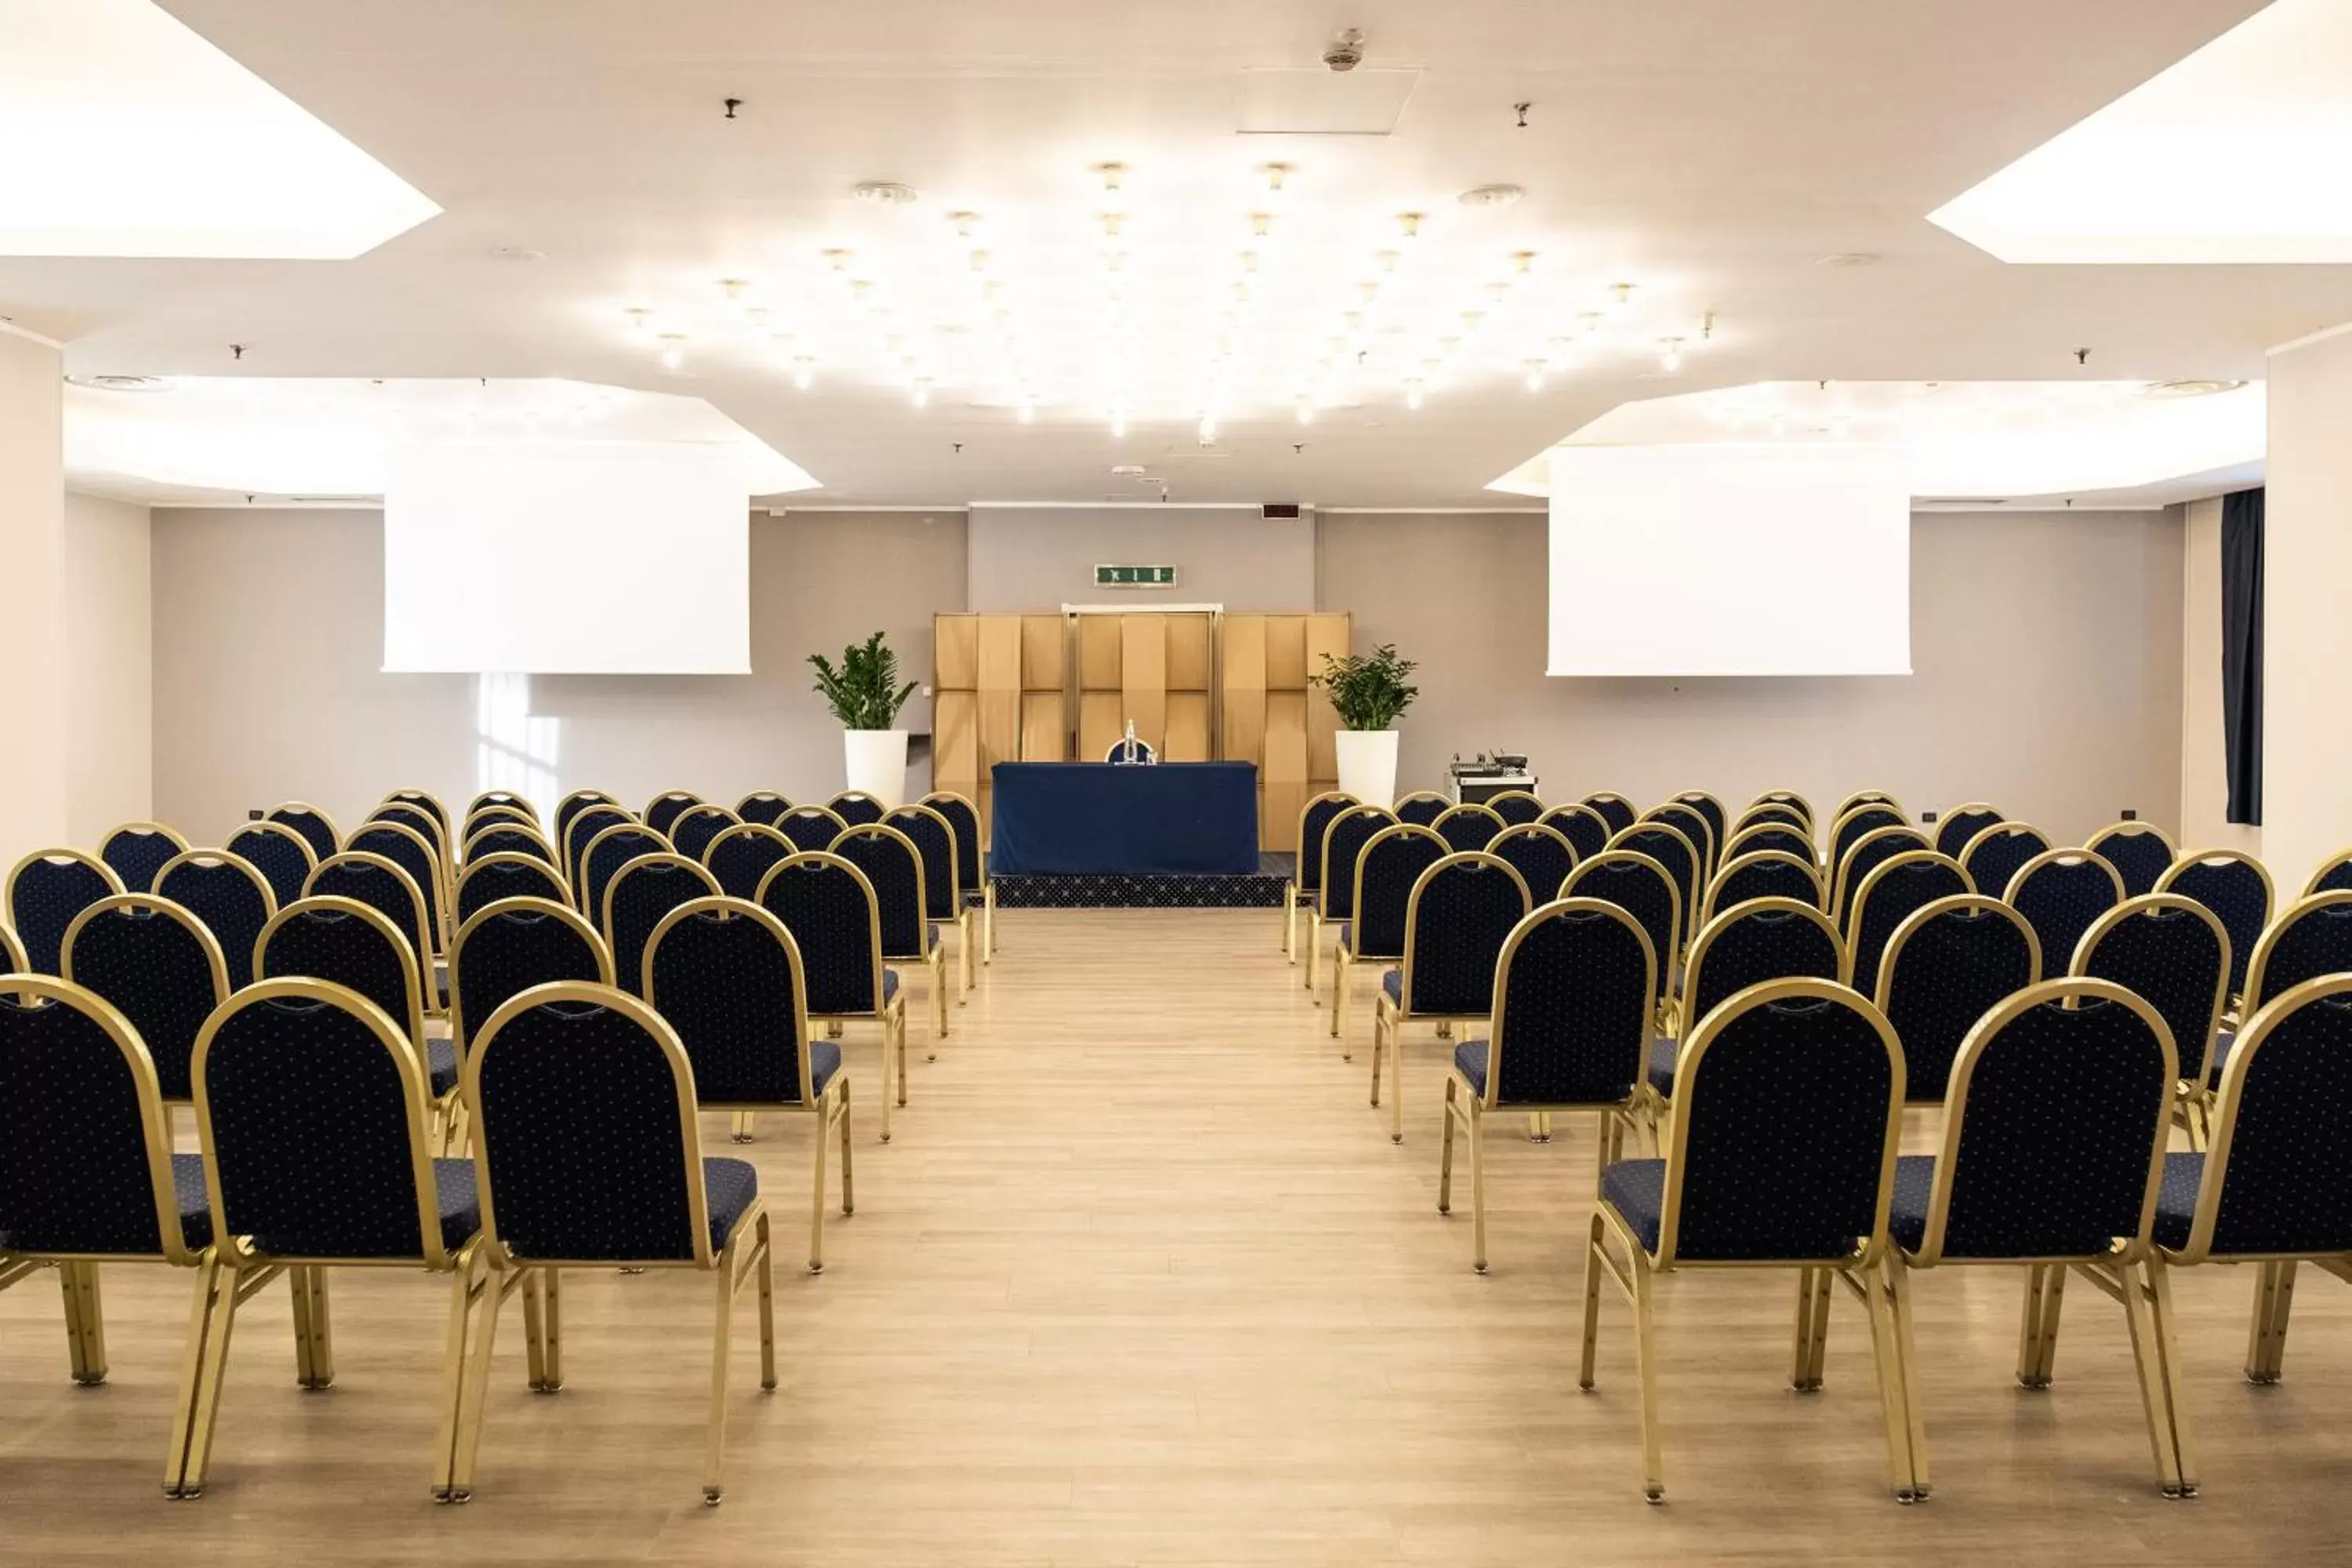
567	557
1702	560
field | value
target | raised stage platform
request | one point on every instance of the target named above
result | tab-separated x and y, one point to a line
1260	889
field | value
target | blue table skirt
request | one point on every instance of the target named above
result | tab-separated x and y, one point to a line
1080	818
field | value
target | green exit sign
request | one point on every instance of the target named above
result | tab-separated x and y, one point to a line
1135	576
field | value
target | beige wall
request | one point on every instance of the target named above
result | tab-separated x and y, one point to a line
2046	649
1041	558
269	643
109	677
34	769
2306	635
2204	751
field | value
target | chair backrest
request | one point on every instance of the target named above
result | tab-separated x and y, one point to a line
963	820
499	800
372	880
810	826
934	841
2237	888
2054	1128
1422	807
640	893
1999	853
894	870
229	895
1754	942
691	831
137	850
1461	910
2140	854
856	809
1896	886
312	1110
2061	892
1642	888
45	890
156	964
1541	856
2311	937
1784	837
1851	823
727	976
508	838
407	849
86	1156
317	828
1960	824
1587	831
407	813
481	816
2333	875
585	1138
12	952
1865	797
281	855
666	808
1576	992
591	819
1785	800
1946	966
1515	806
2173	952
430	803
494	878
1392	862
506	948
762	806
2278	1171
1769	815
1862	856
1788	1106
610	850
1693	824
741	858
1710	811
1315	819
570	807
828	905
346	943
1763	874
1469	826
1669	846
1343	846
1612	808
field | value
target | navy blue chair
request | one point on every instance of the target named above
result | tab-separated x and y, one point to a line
495	879
1748	944
2334	875
726	975
1850	824
1710	811
425	800
1763	874
588	1153
893	869
2312	937
1576	987
87	1172
506	839
1693	825
281	855
2140	854
944	905
1998	852
810	828
763	806
1587	831
1469	827
407	813
568	808
372	880
592	818
506	948
1781	1152
2062	893
1462	908
45	891
1391	863
976	885
1335	896
2171	953
2237	888
232	898
489	799
1896	888
691	830
1786	811
1782	837
137	850
1672	849
1422	807
160	967
741	858
1315	819
1864	798
1642	888
1786	800
641	893
2052	1157
836	923
1963	823
1541	856
317	828
1612	808
610	850
856	809
1862	856
1517	807
407	849
498	816
314	1114
1947	965
667	807
345	943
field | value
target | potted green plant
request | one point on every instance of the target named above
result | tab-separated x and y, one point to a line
865	694
1369	693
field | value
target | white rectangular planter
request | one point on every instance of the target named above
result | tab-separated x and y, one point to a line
876	763
1368	764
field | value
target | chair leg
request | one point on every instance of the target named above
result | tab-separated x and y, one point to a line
466	1288
1592	1267
1477	1193
714	1451
1800	1367
2147	1363
1290	923
210	1359
1339	966
487	1297
1893	1396
2160	1284
2029	1326
744	1121
534	1329
816	1191
1445	1147
2266	1340
322	1335
1645	1356
989	910
1396	1079
85	1322
849	1187
964	957
1314	948
939	994
551	1282
894	1083
202	1313
898	1033
766	1264
1906	1361
2045	1296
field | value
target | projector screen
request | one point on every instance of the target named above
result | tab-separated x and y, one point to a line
1729	561
603	557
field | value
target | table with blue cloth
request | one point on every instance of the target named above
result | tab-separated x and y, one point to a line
1163	819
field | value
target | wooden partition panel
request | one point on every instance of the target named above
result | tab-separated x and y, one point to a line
1273	717
999	690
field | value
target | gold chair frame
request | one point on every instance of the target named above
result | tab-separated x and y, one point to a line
1845	893
1347	949
1293	894
888	1012
417	935
933	957
1709	908
1319	912
676	862
961	917
2193	1097
1389	1018
145	829
987	882
8	890
149	903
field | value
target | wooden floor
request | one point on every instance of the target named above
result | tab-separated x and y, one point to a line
1142	1280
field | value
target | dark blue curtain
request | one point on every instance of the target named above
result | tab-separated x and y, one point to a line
2241	651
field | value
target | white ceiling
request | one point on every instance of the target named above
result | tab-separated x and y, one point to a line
1713	152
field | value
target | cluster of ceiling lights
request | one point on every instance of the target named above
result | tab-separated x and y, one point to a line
1193	320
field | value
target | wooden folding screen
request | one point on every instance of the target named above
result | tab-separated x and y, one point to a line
999	687
1273	717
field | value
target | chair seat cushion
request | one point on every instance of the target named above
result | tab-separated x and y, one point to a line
825	1060
2176	1199
1907	1217
1636	1189
890	984
1663	1053
1470	1062
441	1057
461	1206
730	1187
1392	982
195	1203
2221	1043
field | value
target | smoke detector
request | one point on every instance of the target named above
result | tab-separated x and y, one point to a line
1490	195
1346	51
2189	388
883	193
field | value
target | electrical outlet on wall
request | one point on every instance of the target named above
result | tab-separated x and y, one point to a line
254	814
2130	815
1927	817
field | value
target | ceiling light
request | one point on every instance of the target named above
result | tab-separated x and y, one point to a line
1523	262
1113	175
883	193
1498	291
733	288
1407	225
641	321
1386	260
1490	195
1588	323
1208	431
123	383
2189	388
965	222
1413	393
673	351
1261	224
980	259
1670	355
1620	295
1110	222
1249	260
838	258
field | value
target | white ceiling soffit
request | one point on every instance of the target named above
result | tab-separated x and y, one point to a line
1999	442
204	438
128	135
2234	155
